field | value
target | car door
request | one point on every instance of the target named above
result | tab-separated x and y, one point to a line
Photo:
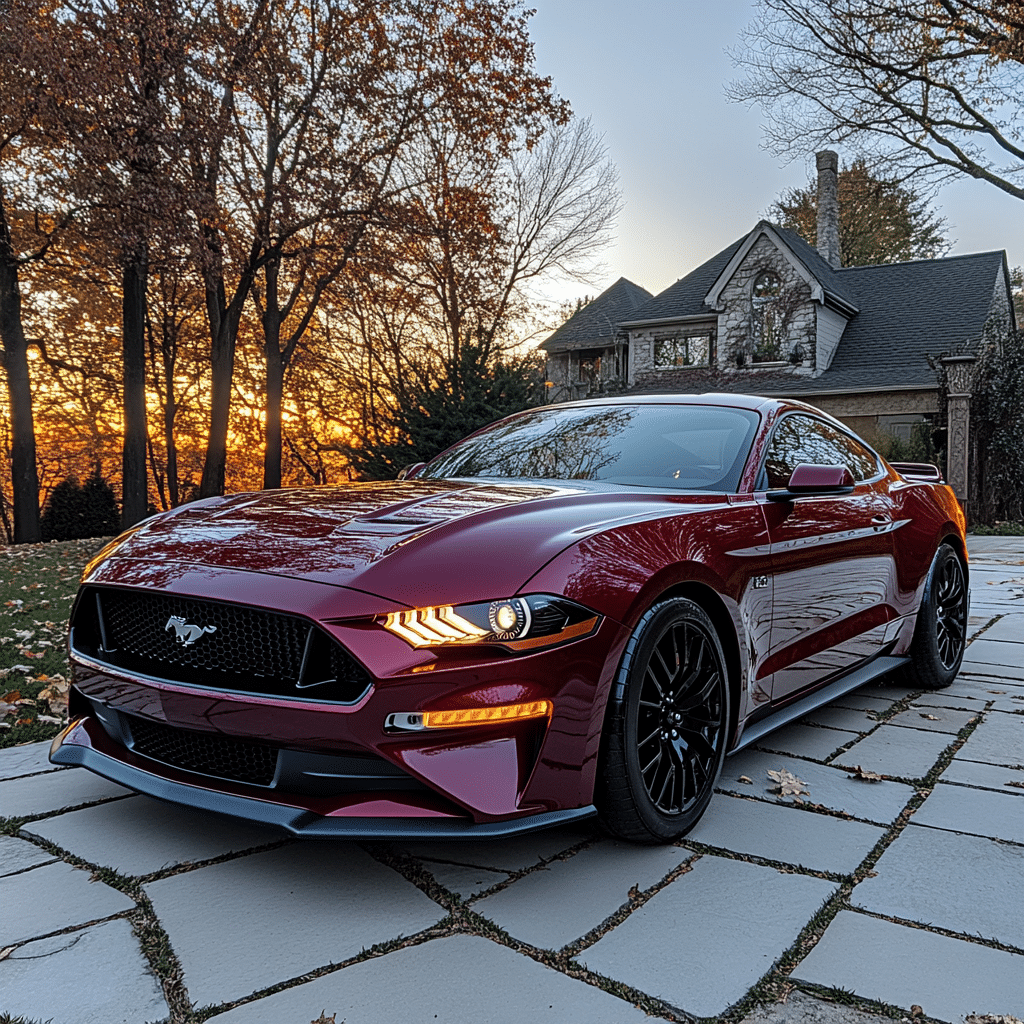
832	557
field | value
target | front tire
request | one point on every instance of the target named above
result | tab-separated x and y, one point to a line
940	635
666	726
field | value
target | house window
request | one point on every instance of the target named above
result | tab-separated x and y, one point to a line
673	352
766	321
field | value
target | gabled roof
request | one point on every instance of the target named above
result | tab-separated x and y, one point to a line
908	312
899	315
597	323
685	298
820	275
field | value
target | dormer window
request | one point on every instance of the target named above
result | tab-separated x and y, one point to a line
681	350
766	318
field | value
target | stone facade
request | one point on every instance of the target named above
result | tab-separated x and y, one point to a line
642	369
736	346
960	378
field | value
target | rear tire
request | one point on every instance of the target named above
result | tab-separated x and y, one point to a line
666	727
940	635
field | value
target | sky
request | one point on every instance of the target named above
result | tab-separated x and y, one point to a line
651	75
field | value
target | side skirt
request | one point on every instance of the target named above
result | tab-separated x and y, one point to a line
875	668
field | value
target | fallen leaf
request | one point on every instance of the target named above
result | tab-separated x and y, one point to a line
746	780
1019	785
11	696
787	784
50	719
997	691
916	1011
864	775
931	718
7	951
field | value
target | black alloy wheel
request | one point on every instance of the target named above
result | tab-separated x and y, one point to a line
940	635
667	725
950	613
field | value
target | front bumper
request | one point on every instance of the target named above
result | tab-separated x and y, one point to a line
80	745
495	779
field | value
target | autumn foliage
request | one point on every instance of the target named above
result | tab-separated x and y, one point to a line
238	238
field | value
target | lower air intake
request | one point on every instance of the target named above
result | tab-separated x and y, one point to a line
207	753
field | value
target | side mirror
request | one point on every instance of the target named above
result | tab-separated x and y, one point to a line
809	479
408	472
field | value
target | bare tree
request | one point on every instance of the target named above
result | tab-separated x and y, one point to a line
433	327
932	86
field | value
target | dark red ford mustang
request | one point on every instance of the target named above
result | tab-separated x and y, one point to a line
580	609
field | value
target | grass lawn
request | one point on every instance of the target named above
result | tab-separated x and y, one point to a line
38	583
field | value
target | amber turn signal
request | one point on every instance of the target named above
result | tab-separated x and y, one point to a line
455	718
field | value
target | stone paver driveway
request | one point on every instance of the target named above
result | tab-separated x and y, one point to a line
903	892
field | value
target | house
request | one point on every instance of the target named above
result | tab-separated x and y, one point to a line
772	315
589	353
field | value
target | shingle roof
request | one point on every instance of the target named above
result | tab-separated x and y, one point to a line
597	323
831	278
686	296
908	312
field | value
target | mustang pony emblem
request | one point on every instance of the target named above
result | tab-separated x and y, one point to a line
185	632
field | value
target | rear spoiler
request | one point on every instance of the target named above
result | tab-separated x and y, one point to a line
923	472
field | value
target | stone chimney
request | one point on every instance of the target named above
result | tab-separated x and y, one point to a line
828	206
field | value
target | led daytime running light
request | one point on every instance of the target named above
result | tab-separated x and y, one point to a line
427	627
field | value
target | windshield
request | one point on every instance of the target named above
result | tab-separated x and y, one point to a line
689	447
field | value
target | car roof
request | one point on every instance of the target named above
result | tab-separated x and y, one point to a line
752	402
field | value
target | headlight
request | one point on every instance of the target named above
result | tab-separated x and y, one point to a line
516	623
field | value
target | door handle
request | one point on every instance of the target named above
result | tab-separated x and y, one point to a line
880	521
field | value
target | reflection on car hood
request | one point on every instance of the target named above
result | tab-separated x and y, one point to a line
406	541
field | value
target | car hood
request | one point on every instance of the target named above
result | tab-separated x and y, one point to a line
414	542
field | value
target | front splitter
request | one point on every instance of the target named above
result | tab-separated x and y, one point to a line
302	823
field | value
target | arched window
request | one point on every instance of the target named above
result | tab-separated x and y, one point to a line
766	319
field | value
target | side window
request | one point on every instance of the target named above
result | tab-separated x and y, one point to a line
862	462
800	439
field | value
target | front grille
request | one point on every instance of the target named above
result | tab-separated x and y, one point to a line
211	643
209	753
239	639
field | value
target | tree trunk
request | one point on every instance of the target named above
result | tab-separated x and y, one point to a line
24	476
275	378
223	320
222	368
170	411
134	480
